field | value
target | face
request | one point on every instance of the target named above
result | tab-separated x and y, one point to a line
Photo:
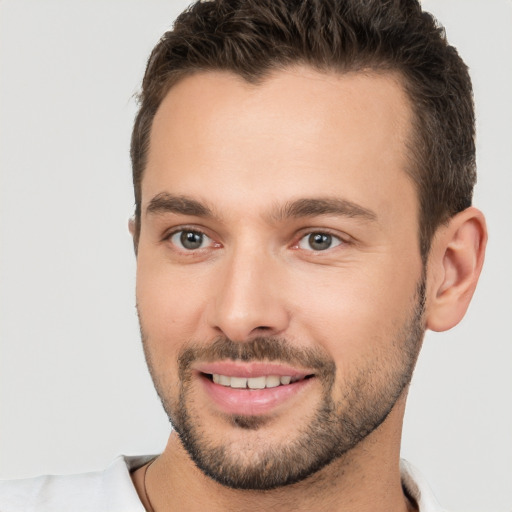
279	281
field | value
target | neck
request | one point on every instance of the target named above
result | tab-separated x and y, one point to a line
365	479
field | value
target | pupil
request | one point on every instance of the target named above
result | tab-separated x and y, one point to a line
320	241
191	239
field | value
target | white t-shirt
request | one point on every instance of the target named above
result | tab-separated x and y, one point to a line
112	490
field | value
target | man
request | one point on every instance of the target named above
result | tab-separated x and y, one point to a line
303	175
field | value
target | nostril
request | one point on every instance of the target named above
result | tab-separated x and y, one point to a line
263	330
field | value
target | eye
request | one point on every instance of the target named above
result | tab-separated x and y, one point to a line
318	241
190	240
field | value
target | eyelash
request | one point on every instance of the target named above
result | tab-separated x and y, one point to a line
324	234
336	239
184	229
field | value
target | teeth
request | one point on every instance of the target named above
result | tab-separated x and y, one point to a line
269	381
238	382
256	382
273	381
224	380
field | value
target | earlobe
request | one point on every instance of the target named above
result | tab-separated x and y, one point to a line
455	263
131	225
132	228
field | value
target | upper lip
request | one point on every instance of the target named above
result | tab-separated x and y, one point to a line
252	369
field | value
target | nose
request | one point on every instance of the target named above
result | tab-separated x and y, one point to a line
249	299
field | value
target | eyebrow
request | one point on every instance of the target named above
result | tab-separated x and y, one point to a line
305	207
181	205
312	207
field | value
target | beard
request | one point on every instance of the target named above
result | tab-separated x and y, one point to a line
333	429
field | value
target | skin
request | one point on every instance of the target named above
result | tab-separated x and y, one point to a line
244	152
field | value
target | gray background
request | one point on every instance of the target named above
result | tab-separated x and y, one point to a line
74	388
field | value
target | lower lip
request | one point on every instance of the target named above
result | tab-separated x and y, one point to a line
251	402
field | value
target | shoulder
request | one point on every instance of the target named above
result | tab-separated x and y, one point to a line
101	491
417	488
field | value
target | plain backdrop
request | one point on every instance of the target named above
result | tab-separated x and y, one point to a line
74	388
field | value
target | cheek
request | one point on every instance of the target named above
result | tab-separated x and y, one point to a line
170	305
354	313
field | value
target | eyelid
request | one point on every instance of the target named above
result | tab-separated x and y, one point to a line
168	233
343	238
194	229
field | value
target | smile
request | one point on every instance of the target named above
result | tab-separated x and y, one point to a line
265	381
253	388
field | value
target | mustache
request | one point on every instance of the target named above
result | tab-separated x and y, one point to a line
271	349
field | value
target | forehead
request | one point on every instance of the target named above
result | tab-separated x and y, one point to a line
299	131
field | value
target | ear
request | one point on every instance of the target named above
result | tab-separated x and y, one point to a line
132	228
454	265
131	225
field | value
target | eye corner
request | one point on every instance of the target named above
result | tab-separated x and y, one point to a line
189	240
318	241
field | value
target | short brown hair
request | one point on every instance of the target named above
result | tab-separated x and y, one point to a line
254	37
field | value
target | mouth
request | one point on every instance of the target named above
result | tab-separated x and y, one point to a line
253	383
252	388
